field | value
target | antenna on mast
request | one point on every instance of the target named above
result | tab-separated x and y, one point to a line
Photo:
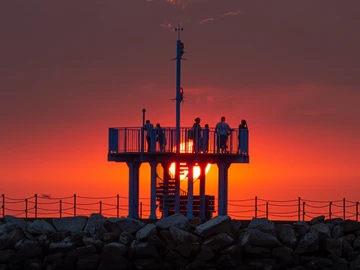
178	29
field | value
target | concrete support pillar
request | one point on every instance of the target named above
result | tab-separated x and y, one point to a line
133	189
166	177
190	202
223	188
202	192
177	188
153	166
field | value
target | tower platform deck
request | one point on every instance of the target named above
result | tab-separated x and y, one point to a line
128	144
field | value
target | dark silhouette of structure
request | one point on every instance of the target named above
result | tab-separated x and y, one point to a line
173	162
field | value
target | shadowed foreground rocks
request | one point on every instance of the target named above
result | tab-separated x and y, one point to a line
175	243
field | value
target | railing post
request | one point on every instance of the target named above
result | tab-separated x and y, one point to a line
124	140
304	203
36	205
357	211
256	206
139	141
344	208
26	208
100	207
140	210
117	205
267	209
330	210
299	208
60	209
3	205
74	205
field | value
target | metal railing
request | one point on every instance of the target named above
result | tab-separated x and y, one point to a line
297	209
137	139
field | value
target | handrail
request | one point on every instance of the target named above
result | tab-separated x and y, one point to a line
139	140
116	206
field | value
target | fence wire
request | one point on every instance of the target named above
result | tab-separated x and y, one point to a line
45	206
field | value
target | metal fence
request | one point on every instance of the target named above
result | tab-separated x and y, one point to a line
137	139
116	206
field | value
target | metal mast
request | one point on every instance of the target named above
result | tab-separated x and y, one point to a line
179	94
179	97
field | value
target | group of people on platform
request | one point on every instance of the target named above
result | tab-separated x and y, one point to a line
159	135
199	135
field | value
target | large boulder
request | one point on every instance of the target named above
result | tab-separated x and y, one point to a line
350	226
94	223
333	246
126	238
217	225
70	224
309	243
286	234
18	222
255	237
8	240
28	249
177	220
146	232
301	228
40	226
322	229
263	224
120	225
142	250
218	242
181	237
317	220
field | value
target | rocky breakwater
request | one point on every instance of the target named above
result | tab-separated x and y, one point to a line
175	243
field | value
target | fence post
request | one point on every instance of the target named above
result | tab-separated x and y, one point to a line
60	208
304	211
117	205
36	205
344	208
100	207
26	208
140	210
74	205
267	209
299	208
256	206
357	210
3	205
330	210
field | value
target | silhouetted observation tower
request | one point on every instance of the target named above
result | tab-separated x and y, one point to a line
172	153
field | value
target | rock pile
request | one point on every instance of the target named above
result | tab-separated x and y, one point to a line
175	243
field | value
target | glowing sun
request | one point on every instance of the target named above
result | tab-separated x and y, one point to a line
184	170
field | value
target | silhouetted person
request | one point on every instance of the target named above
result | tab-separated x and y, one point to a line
160	137
222	130
196	135
243	125
205	138
149	129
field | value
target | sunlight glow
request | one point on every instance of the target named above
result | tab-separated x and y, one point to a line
184	170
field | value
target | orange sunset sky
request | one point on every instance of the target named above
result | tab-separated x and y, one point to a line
69	70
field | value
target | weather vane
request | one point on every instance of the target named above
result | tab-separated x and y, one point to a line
178	29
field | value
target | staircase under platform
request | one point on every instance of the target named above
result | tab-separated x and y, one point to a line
165	194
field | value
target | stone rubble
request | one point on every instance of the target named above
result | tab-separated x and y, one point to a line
100	243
